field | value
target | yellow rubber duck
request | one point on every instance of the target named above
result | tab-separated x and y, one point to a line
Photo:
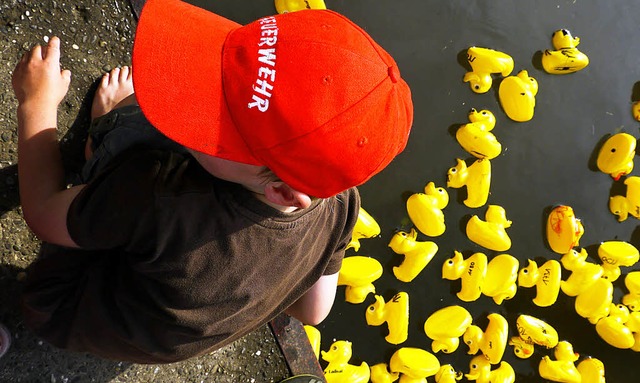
476	137
517	96
447	374
628	204
425	210
339	370
563	368
484	62
380	374
615	157
313	334
446	326
536	331
546	278
595	302
612	328
477	179
491	233
285	6
417	254
566	58
616	254
521	348
492	342
564	229
635	110
414	364
472	271
480	371
365	227
395	312
500	280
358	273
591	370
633	324
583	273
632	299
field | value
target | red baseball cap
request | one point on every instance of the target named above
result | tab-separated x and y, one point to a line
308	94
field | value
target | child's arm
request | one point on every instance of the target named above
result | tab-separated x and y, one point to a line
316	303
40	85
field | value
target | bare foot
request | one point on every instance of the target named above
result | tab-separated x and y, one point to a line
115	87
115	90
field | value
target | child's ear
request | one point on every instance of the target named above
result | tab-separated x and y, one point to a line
282	194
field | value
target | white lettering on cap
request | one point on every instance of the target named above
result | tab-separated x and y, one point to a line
263	86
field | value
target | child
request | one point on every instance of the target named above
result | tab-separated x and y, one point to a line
182	242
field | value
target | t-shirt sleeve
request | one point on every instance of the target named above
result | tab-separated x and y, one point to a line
116	208
351	201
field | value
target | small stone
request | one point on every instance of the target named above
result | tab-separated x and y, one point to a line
75	46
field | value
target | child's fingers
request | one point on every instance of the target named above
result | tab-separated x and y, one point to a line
52	51
36	52
66	74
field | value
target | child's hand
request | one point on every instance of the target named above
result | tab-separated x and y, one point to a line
37	79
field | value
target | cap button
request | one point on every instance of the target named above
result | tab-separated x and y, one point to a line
394	74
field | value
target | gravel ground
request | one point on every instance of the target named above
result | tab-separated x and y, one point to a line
96	36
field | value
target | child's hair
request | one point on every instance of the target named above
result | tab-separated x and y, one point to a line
267	175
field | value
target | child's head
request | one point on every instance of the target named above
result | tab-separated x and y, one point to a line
307	94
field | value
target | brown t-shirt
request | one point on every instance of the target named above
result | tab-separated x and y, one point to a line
176	263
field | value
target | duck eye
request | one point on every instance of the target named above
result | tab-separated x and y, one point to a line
371	308
453	170
525	271
476	86
450	261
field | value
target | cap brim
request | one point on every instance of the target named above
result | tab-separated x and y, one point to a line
177	75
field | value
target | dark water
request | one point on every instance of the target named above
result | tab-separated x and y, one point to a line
544	162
